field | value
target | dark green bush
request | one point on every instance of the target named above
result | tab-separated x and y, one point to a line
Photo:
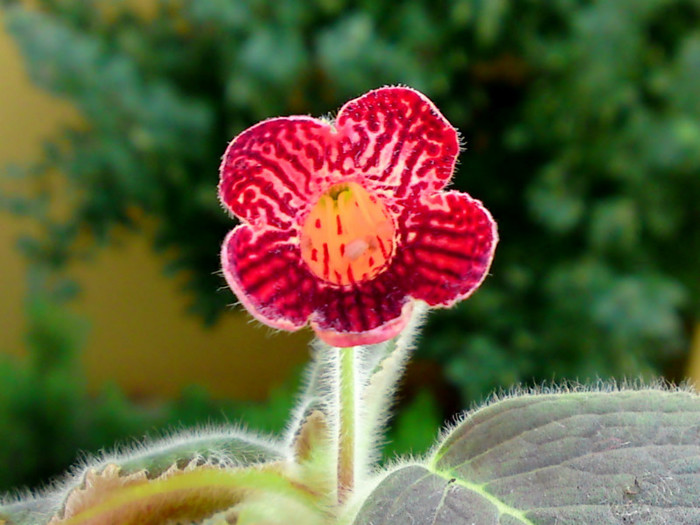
581	120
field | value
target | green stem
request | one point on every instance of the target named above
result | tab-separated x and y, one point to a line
346	423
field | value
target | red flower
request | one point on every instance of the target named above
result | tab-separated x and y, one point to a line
344	224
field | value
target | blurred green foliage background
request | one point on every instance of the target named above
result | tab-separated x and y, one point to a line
582	126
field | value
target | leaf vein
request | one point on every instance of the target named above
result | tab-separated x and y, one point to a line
501	506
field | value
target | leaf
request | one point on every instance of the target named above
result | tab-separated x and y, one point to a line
592	458
159	462
224	447
178	496
31	511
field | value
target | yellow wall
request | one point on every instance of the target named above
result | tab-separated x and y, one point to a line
693	371
140	335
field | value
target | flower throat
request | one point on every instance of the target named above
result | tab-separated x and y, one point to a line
348	235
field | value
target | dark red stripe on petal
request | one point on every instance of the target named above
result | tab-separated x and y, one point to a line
268	214
396	153
449	240
431	253
280	177
410	173
428	261
365	315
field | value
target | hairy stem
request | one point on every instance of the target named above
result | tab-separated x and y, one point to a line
346	424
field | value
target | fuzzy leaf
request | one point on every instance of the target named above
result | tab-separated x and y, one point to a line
31	511
589	458
178	496
224	447
160	461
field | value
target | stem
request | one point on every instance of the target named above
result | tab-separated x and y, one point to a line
346	424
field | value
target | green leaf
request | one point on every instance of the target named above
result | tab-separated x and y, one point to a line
222	447
591	458
185	496
31	511
225	449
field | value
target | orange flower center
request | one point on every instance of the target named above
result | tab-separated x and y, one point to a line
348	236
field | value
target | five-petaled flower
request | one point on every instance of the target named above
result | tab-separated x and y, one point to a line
345	224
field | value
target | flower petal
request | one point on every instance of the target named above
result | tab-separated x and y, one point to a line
264	269
376	335
271	171
366	313
448	243
398	140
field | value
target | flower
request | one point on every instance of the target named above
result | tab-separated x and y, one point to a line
346	224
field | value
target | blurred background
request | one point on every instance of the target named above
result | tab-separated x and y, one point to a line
582	125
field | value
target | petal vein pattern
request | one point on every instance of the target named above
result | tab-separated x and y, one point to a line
399	141
266	273
270	171
449	244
